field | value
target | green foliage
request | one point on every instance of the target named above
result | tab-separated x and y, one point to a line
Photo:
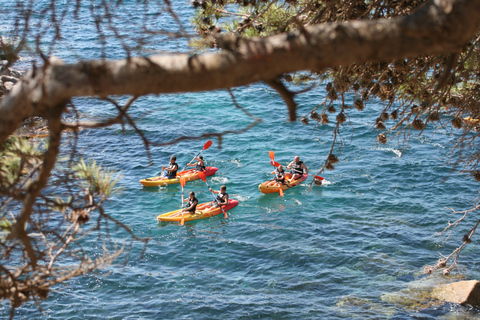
17	157
19	160
248	19
5	227
95	178
61	204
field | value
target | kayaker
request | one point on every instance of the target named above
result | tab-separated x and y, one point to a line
191	203
279	176
298	168
170	171
221	199
199	166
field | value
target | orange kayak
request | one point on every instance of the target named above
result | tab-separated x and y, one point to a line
267	188
189	175
176	215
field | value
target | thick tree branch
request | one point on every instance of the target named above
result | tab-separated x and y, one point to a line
287	96
442	26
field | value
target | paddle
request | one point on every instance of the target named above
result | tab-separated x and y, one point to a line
205	147
275	164
202	176
182	183
318	177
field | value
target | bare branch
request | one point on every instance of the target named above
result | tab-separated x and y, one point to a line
438	27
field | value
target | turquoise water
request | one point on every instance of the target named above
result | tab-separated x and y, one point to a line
339	250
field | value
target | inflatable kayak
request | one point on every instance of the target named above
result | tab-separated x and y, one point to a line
265	188
189	175
199	213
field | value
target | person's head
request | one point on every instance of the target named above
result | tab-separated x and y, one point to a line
200	157
296	159
280	168
173	159
223	189
192	194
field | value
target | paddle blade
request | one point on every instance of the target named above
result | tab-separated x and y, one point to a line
318	177
182	221
272	155
202	176
274	163
182	181
207	145
224	214
280	191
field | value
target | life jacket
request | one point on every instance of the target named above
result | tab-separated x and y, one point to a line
221	197
191	202
199	166
297	167
170	170
279	175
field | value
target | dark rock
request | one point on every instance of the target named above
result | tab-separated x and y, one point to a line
4	71
8	78
3	90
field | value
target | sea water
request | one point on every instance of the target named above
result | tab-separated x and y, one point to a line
354	247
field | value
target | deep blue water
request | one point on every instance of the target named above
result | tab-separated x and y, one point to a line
345	249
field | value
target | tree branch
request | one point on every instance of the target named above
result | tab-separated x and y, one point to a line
441	26
18	230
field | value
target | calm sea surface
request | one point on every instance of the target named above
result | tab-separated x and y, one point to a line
352	248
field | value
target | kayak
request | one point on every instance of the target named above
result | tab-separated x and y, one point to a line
189	175
264	188
176	215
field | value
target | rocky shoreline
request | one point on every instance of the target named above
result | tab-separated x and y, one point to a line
8	78
32	127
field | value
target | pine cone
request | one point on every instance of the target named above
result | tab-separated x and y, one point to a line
380	125
315	116
341	118
382	138
324	119
457	122
418	124
332	158
394	115
476	175
359	105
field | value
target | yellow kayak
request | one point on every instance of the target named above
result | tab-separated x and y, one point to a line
265	188
189	175
176	215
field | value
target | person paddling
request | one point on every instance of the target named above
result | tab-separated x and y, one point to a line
170	171
279	178
220	200
199	166
192	203
298	169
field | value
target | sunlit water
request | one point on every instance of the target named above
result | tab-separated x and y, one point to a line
340	250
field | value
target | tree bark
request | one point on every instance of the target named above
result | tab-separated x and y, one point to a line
440	27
